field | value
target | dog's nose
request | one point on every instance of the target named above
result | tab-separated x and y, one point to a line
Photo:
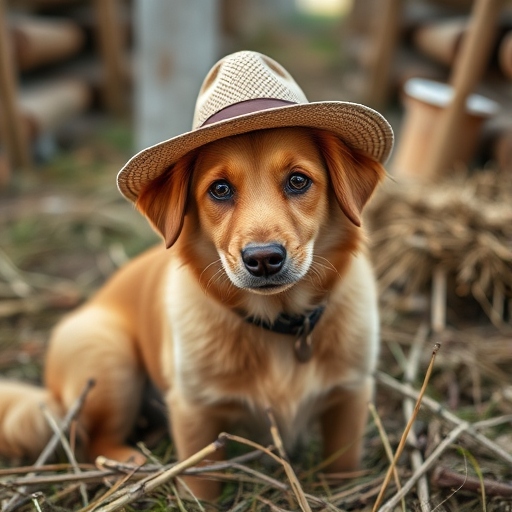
264	260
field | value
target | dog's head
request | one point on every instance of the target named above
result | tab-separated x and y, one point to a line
264	200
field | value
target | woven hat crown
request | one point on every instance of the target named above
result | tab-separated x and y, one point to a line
240	77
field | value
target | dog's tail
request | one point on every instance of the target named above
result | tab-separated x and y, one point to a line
24	430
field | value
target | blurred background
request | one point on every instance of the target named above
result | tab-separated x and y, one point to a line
85	84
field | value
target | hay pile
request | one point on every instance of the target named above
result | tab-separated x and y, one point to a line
463	226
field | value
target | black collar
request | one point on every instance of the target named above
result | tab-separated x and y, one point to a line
294	325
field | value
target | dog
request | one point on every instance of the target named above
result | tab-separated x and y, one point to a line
264	298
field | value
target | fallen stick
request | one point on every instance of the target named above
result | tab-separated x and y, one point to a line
429	462
67	448
408	427
73	412
152	482
23	470
446	478
112	469
279	460
294	481
438	300
52	444
411	372
387	446
437	408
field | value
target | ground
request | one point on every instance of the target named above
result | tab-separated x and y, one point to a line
65	228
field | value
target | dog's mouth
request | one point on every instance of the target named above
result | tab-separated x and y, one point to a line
270	288
264	285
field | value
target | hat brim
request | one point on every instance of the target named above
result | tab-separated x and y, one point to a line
359	126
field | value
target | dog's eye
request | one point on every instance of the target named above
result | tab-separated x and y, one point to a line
297	182
221	190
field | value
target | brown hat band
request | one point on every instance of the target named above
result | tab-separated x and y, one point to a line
246	107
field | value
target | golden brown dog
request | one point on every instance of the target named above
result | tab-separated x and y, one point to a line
261	224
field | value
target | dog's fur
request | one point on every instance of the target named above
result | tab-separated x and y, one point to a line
177	316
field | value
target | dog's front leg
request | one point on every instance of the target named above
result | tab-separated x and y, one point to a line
193	428
343	425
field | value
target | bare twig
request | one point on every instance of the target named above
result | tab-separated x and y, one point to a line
437	408
73	412
35	501
264	478
444	477
429	462
150	483
493	422
438	304
113	468
187	489
294	481
279	460
357	490
387	446
407	428
270	505
110	492
54	441
23	470
13	276
69	452
411	372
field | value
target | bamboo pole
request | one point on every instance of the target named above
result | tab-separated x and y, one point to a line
469	67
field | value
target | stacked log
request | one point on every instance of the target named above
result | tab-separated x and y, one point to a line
41	41
49	46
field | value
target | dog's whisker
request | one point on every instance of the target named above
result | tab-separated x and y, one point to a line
229	290
315	279
213	279
208	266
219	279
319	270
328	266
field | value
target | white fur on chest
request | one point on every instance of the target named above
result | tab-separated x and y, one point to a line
200	327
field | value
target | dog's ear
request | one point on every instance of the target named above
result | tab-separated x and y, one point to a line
354	176
164	200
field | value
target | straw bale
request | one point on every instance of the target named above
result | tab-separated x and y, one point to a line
463	224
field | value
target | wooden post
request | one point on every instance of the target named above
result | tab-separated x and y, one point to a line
110	41
11	122
177	43
384	45
468	69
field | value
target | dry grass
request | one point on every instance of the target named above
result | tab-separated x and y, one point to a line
68	229
462	226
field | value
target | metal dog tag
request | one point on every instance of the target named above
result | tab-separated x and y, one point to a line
304	344
304	348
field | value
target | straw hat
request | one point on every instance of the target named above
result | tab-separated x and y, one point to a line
248	91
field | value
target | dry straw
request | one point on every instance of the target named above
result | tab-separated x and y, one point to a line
463	225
